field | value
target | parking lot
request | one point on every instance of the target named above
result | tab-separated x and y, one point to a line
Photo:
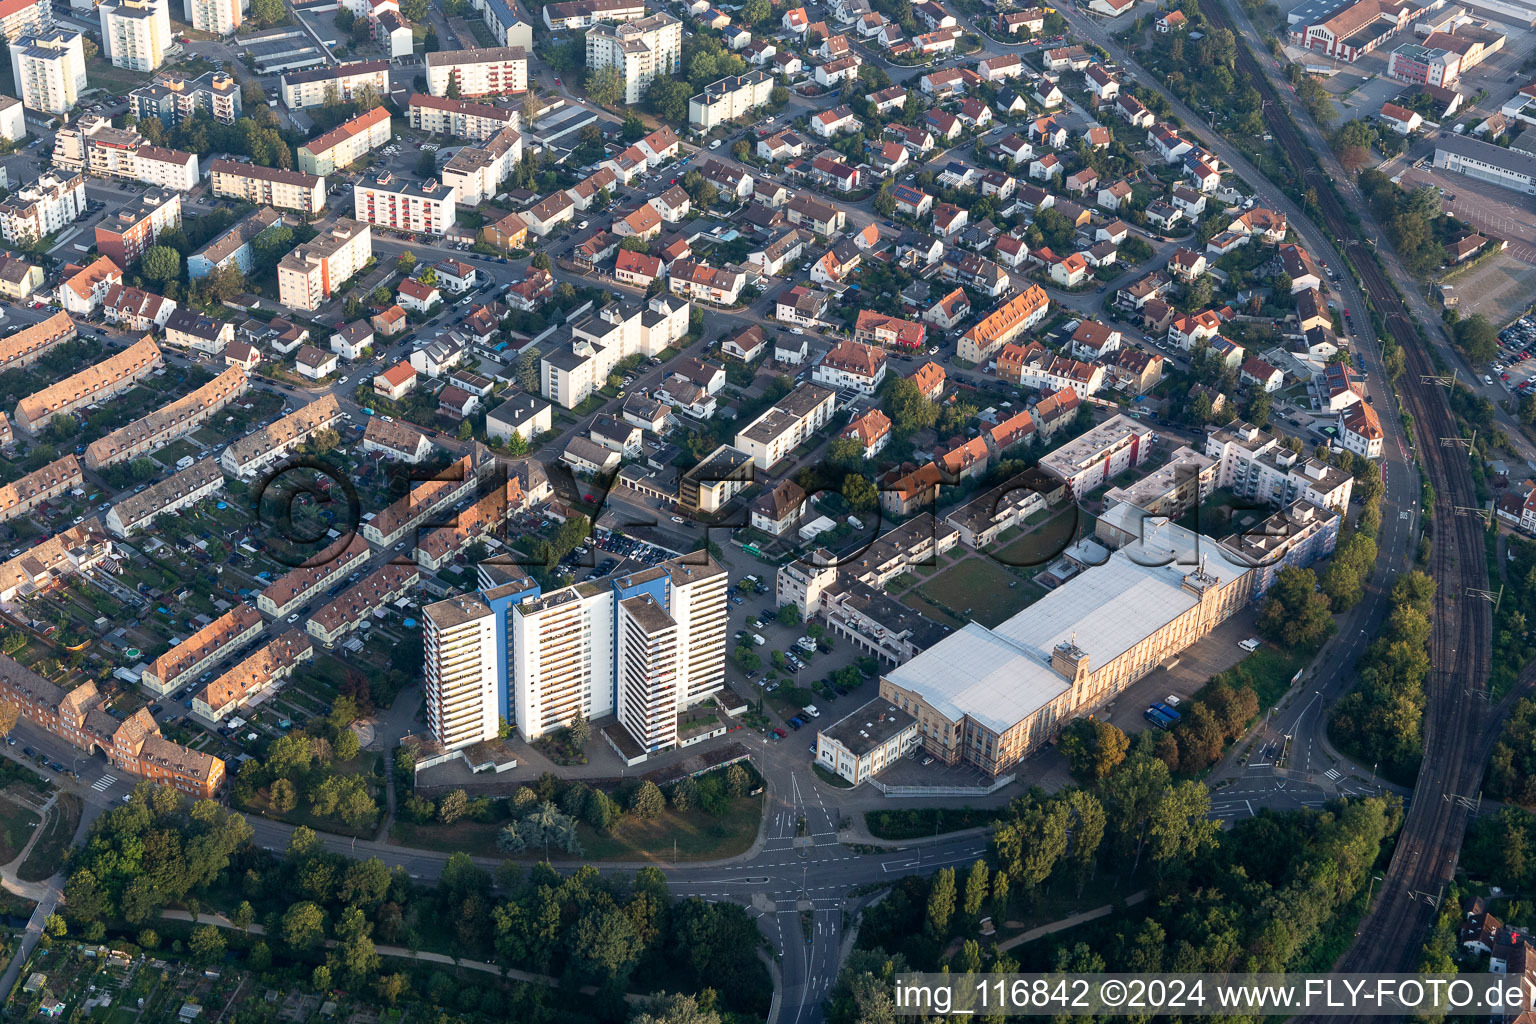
1516	366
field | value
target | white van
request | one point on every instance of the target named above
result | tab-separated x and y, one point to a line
1251	644
812	710
757	638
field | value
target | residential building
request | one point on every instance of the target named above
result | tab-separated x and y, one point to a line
255	676
177	419
465	119
345	144
647	646
1360	430
357	604
48	68
1006	322
344	81
851	366
1256	466
132	230
133	746
41	485
41	208
268	186
247	457
211	644
81	293
309	275
786	425
1295	536
24	17
174	98
778	509
135	34
728	99
484	71
475	173
641	50
717	285
19	279
23	347
181	490
601	340
1088	462
217	17
403	204
298	587
234	246
107	379
864	743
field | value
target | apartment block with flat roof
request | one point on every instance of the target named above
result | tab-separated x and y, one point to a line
460	683
485	71
342	81
49	69
309	275
173	98
642	51
127	234
136	34
405	204
789	423
465	119
38	209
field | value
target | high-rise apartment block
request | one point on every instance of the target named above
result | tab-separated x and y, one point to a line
390	201
174	99
460	671
49	69
485	71
643	646
135	33
308	275
24	17
221	17
642	50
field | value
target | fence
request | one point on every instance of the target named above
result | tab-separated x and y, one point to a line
964	791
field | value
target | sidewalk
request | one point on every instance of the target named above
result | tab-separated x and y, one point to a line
1069	922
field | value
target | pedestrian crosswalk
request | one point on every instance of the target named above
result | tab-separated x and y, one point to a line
1332	776
102	784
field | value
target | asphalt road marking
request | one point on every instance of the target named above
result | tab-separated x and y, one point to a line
102	784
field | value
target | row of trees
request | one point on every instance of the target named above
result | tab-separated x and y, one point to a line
322	913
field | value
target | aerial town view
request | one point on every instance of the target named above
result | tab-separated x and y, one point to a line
672	512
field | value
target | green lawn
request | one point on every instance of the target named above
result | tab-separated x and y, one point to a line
16	825
102	75
979	589
1045	540
47	856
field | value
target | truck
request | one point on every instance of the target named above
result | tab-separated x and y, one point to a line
1167	710
1157	718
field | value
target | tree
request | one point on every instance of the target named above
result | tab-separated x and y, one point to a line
405	262
600	811
283	796
676	1009
667	98
909	409
268	12
206	944
1477	338
579	730
789	615
452	806
941	903
303	925
737	781
605	86
860	492
1093	748
1294	613
647	803
1259	406
8	716
160	263
976	887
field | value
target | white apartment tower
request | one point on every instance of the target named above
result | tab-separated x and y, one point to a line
641	50
49	70
643	646
136	33
221	17
460	670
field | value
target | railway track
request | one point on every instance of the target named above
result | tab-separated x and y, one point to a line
1459	728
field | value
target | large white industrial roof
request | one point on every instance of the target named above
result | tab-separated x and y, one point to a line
1001	676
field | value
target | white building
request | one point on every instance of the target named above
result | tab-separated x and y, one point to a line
1256	466
641	50
643	646
342	81
601	340
424	207
463	118
859	746
728	99
1507	168
487	71
1091	460
41	208
312	272
135	33
460	671
49	70
789	423
219	17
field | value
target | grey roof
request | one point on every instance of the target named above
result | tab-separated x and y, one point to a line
868	727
